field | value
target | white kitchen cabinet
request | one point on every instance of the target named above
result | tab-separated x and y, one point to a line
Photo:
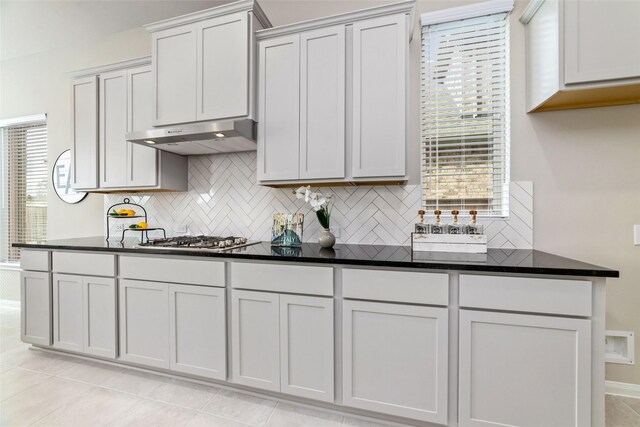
332	98
223	67
306	347
99	316
174	61
602	40
279	109
379	91
68	312
124	104
581	54
255	324
524	370
84	132
84	314
113	127
322	103
144	322
203	64
283	343
395	359
35	303
197	322
142	162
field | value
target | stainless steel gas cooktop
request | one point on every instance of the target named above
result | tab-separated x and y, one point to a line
199	243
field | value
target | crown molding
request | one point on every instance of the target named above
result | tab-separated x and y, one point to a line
129	63
201	15
407	7
465	12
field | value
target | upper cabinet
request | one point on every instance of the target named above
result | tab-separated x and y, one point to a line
582	53
84	132
332	98
110	102
202	64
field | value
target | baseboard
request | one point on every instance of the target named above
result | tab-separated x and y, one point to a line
9	303
622	389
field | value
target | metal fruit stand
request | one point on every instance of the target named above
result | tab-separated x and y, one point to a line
144	232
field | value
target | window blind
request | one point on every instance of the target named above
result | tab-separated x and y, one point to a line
24	186
465	115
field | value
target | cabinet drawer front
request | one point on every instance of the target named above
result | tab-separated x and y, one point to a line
300	279
34	260
553	296
174	270
401	286
84	263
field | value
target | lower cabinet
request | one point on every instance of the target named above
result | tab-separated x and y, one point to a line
197	325
524	370
173	326
395	359
144	323
35	295
283	343
255	339
84	314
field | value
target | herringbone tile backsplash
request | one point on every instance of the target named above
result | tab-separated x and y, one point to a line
224	199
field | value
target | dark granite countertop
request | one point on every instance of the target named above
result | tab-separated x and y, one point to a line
518	261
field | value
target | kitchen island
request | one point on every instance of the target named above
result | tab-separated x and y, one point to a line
515	337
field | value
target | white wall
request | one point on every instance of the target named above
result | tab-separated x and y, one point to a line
582	162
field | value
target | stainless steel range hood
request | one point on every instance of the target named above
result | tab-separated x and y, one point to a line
223	136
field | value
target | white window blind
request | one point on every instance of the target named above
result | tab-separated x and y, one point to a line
24	178
465	115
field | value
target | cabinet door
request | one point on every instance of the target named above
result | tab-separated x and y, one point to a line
255	339
279	109
306	347
144	323
142	168
523	370
380	54
84	132
113	127
223	67
174	69
601	40
99	316
35	303
395	359
322	103
68	322
198	330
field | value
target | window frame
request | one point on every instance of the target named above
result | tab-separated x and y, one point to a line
39	120
451	15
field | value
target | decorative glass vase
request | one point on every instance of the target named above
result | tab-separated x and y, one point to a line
287	229
326	238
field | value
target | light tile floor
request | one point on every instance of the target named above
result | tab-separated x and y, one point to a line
42	389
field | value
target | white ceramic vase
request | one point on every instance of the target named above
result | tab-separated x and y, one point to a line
326	239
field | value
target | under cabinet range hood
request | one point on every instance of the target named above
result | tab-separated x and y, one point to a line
192	139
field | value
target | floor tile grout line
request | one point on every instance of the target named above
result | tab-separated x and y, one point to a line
272	412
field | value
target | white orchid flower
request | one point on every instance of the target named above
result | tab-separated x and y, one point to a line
307	195
300	192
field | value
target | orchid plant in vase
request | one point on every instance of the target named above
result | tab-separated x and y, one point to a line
321	205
